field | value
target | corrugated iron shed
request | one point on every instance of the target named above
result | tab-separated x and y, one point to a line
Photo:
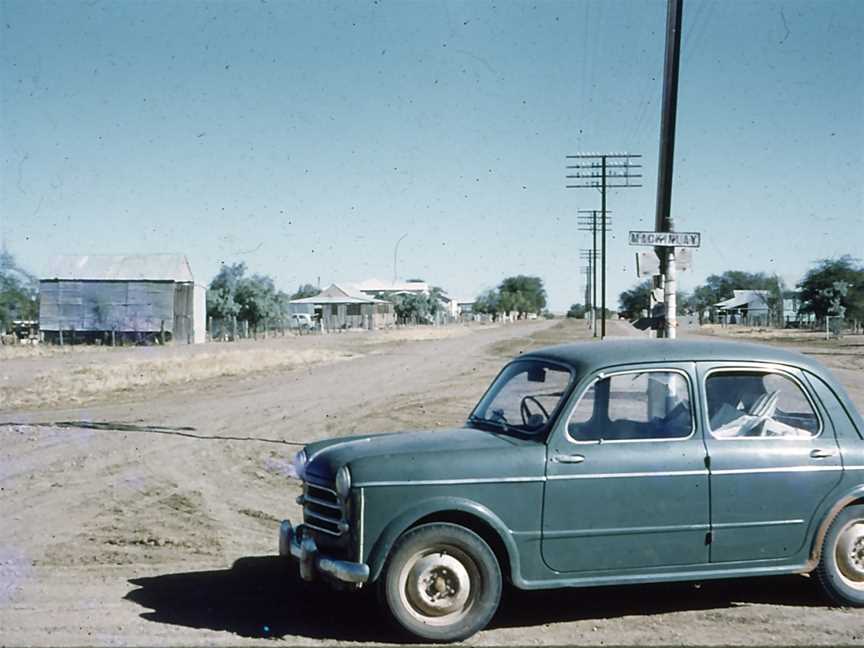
134	267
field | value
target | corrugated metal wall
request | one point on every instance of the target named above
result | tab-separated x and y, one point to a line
183	313
141	306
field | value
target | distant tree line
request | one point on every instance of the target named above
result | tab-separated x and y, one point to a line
832	287
520	294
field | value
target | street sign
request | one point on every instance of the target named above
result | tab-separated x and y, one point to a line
647	263
666	239
683	259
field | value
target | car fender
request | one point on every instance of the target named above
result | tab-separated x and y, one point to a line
436	505
856	493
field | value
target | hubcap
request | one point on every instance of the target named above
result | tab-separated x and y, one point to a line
850	553
436	585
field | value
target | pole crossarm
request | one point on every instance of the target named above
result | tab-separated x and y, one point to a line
606	155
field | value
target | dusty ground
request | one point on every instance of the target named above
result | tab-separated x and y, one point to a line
150	518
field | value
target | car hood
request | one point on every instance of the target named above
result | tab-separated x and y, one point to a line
431	455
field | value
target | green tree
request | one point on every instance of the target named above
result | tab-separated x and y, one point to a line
256	297
222	292
577	311
487	303
632	302
523	294
19	292
233	294
834	287
411	307
436	300
304	291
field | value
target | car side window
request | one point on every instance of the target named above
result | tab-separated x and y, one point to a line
744	404
639	405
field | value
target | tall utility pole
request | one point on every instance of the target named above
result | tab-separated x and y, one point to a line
590	255
668	114
590	223
595	171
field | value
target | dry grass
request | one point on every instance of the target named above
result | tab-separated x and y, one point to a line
416	334
94	381
15	351
105	375
565	331
761	333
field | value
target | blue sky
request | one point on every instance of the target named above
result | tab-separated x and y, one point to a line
306	138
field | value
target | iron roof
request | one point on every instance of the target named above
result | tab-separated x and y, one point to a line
133	267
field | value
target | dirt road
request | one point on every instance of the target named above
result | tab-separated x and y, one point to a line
152	519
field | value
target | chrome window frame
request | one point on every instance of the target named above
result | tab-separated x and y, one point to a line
763	369
603	375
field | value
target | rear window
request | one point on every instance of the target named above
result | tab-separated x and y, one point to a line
758	404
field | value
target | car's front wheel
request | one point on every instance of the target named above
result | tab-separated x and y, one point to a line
441	583
841	567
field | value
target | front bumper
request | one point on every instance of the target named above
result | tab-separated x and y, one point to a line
299	544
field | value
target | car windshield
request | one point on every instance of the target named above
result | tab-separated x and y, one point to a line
523	398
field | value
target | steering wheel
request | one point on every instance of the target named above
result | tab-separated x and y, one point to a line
527	414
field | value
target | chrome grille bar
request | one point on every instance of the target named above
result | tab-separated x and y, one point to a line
323	510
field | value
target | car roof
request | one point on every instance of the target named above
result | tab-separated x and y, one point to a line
592	356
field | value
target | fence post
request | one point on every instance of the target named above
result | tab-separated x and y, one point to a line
61	336
162	332
113	338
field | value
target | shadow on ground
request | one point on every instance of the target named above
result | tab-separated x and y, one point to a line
521	608
263	597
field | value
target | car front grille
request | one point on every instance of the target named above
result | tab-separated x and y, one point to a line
322	508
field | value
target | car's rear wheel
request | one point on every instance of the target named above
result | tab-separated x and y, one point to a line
441	583
841	567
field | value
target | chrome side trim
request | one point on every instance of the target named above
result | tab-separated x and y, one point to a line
360	524
450	482
778	469
669	473
853	467
737	525
582	533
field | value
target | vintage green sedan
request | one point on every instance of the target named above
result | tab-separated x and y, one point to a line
595	464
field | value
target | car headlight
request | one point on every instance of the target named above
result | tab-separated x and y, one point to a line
343	482
298	465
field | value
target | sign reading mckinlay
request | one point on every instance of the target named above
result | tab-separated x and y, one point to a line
668	239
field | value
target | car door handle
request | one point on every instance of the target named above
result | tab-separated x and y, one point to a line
565	458
818	453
